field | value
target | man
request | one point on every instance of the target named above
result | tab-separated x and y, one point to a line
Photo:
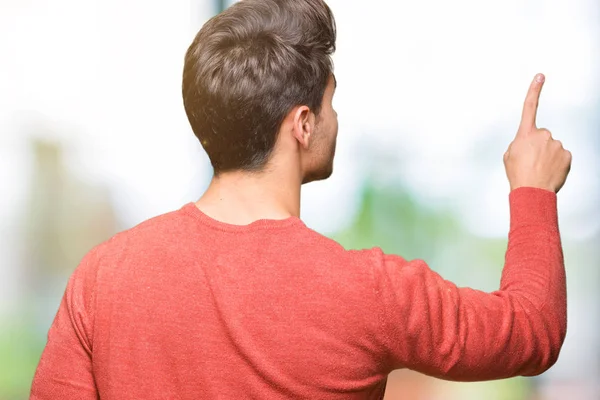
234	297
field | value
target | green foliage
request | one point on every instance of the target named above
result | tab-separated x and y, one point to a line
394	220
20	351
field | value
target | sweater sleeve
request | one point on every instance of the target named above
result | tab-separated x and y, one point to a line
65	368
432	326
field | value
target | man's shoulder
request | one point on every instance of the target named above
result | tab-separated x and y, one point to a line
370	262
322	245
154	231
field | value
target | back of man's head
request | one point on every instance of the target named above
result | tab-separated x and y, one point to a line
247	68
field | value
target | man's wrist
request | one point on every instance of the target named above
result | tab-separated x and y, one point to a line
532	206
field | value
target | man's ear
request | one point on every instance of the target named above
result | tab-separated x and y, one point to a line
303	121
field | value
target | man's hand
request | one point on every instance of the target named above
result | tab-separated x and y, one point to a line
534	158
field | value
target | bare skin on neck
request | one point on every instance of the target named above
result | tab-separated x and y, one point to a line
303	153
240	198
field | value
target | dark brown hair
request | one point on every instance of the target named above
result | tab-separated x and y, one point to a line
247	68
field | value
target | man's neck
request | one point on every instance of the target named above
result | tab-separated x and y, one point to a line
240	198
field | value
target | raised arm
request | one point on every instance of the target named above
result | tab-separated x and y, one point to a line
461	334
432	326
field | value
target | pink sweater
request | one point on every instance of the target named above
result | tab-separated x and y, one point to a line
186	307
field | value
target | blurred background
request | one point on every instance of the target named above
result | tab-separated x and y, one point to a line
94	139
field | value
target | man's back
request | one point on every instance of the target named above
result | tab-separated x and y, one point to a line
185	307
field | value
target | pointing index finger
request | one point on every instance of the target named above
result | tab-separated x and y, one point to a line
531	103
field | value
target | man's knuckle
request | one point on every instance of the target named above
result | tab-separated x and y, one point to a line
568	155
545	133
